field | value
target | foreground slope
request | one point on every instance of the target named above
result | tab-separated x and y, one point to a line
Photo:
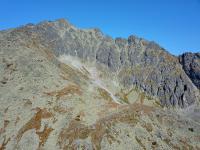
60	101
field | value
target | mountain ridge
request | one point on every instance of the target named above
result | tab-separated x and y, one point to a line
66	88
154	65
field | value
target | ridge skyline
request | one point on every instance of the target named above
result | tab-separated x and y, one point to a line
107	35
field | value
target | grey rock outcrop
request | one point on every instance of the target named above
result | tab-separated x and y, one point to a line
136	61
191	65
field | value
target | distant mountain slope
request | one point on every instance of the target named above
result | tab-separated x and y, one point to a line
135	61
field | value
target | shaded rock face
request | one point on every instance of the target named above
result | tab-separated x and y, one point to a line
134	60
191	66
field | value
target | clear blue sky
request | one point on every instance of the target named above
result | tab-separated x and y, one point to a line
174	24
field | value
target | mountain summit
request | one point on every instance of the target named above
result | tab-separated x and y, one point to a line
67	88
135	61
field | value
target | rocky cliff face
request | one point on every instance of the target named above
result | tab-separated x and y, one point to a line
191	65
135	61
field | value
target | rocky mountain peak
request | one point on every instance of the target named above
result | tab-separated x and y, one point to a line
136	61
67	88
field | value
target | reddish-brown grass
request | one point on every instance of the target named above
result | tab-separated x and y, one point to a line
70	89
34	122
43	136
77	130
5	142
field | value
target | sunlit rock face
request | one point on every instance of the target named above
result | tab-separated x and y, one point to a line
191	65
67	88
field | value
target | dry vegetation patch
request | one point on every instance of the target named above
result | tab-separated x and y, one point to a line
34	122
72	74
140	142
5	142
105	95
43	136
70	89
124	95
76	130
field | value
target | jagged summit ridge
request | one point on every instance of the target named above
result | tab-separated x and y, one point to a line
136	61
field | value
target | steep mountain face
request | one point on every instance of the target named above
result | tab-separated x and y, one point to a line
191	65
66	88
134	60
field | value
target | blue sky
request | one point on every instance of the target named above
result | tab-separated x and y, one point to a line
174	24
